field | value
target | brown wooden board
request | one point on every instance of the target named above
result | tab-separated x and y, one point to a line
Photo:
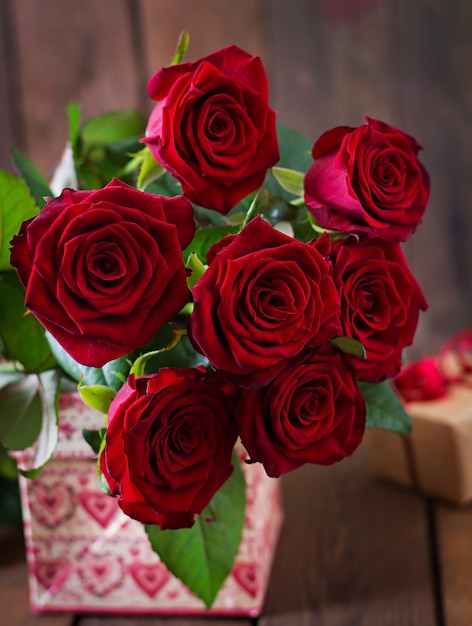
10	122
332	62
454	533
212	24
352	551
161	621
71	51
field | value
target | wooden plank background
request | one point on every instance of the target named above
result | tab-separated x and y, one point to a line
329	62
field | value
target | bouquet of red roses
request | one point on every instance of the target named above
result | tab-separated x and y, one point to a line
204	277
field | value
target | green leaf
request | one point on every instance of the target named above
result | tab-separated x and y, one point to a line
110	375
258	206
280	210
205	237
384	408
68	364
48	389
113	126
290	180
349	346
166	185
98	397
202	557
181	49
16	205
21	413
94	438
115	372
22	335
36	183
182	355
7	377
150	171
8	467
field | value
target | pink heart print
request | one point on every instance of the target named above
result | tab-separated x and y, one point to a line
101	507
245	576
100	573
52	573
51	504
150	577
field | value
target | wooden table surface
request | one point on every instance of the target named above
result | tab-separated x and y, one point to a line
353	551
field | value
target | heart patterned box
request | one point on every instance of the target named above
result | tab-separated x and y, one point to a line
84	555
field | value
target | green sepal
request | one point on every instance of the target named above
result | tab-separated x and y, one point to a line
203	556
258	206
181	48
197	269
139	366
149	172
384	408
98	397
290	180
334	234
183	354
349	346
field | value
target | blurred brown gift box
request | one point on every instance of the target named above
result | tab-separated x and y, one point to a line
436	458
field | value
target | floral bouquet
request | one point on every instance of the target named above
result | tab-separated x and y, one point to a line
204	276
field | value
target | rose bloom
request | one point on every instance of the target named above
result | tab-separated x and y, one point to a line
103	270
312	412
169	444
380	303
264	298
212	127
367	180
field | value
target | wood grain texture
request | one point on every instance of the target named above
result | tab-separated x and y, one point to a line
161	621
10	116
71	52
212	24
454	536
352	551
331	62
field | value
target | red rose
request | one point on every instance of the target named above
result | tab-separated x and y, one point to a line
367	180
312	412
212	127
169	443
264	298
103	270
380	303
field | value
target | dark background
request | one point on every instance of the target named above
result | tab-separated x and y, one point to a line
329	62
